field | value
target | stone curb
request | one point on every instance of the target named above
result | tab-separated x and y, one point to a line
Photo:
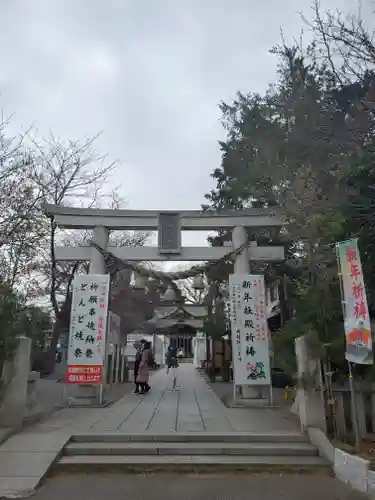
354	471
33	482
320	441
350	469
5	434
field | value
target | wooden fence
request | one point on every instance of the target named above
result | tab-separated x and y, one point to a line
365	399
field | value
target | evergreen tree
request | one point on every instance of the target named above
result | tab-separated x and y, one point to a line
293	148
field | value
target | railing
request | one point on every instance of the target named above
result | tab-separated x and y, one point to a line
365	400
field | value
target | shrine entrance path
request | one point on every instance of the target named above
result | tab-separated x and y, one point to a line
191	407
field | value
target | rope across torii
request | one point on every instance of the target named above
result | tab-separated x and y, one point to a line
114	264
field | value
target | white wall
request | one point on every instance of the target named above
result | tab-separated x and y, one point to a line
159	350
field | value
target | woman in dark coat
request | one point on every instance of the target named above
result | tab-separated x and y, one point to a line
144	368
172	363
137	362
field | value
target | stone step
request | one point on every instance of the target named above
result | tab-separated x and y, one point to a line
187	463
191	449
189	437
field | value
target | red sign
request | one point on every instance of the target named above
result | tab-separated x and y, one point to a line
84	374
357	289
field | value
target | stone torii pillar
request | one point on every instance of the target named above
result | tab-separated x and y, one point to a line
100	236
241	262
242	266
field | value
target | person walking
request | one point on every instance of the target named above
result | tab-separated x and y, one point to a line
172	363
137	362
150	361
144	368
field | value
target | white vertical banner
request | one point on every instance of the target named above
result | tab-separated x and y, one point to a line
256	347
237	337
250	339
88	327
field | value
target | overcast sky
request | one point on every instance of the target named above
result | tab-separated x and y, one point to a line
149	73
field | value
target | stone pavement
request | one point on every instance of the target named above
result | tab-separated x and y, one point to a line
193	407
193	487
51	394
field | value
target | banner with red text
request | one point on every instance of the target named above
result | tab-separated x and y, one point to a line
356	316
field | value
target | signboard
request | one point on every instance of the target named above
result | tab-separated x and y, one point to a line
356	317
169	233
250	338
87	333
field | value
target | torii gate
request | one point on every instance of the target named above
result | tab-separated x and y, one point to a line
169	225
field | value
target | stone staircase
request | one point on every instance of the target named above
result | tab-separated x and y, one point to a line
190	452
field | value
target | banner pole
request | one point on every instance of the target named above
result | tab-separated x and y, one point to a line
101	395
271	394
353	398
354	410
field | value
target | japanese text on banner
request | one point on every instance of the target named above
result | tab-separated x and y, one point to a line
255	351
87	333
356	321
235	310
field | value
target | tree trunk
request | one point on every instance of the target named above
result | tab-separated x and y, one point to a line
284	305
50	358
213	365
208	353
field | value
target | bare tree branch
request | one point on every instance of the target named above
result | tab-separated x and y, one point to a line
345	43
191	295
71	173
